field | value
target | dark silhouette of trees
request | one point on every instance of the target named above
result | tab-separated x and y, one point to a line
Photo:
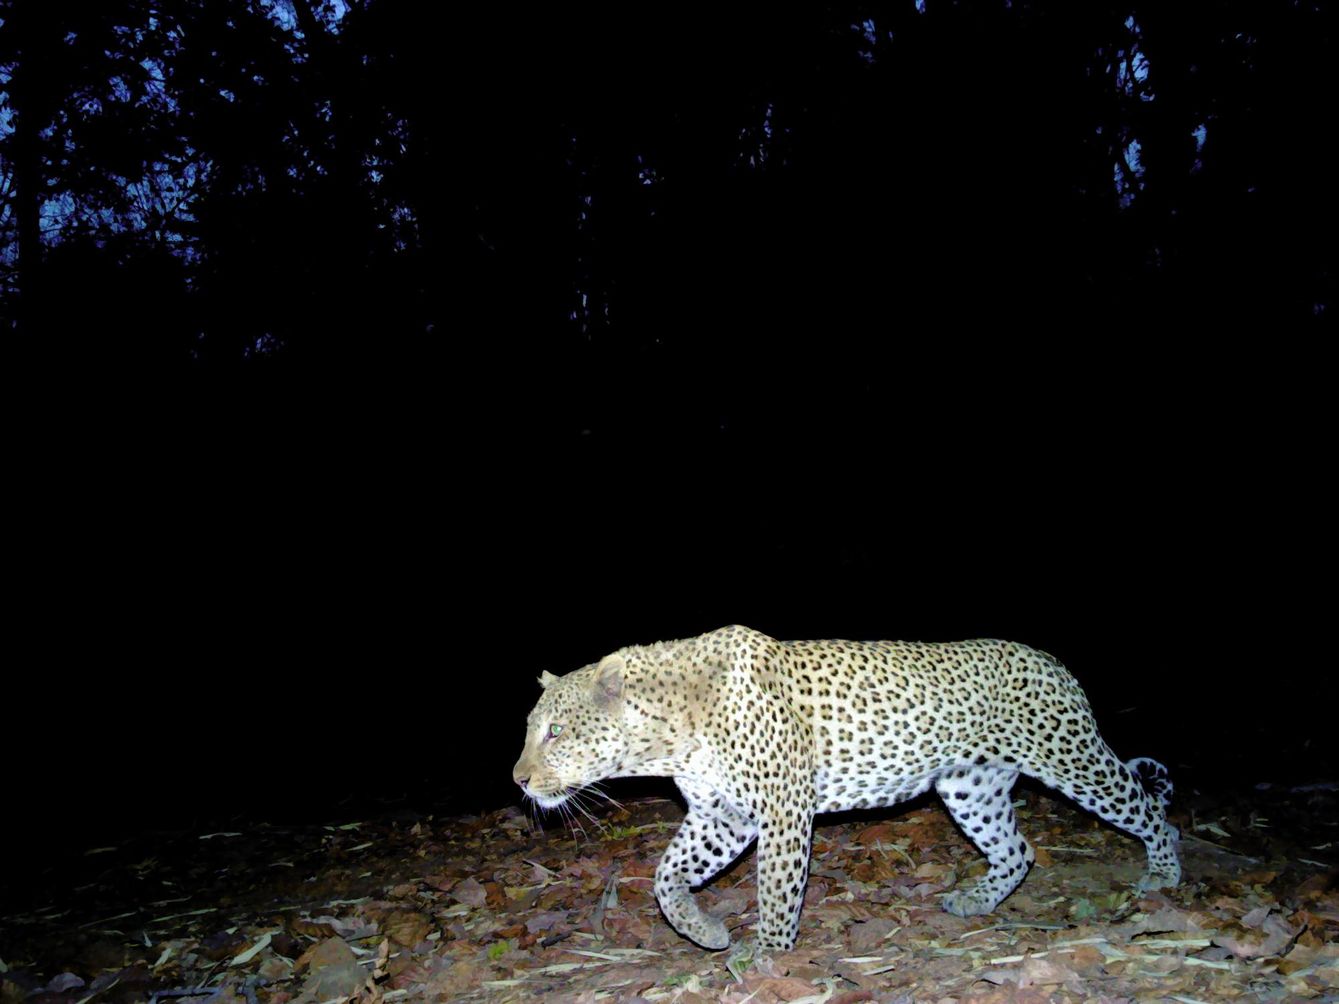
80	106
536	207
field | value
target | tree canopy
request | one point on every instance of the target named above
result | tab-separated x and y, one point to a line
545	205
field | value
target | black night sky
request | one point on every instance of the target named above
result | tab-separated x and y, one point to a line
365	360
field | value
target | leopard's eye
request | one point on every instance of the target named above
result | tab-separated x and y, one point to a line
555	731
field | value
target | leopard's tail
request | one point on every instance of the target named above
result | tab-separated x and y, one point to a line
1154	778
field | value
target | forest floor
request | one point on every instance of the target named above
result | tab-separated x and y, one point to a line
492	907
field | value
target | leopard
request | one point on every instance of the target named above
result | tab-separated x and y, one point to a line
761	735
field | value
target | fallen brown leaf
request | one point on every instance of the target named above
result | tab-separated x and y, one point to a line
406	927
470	892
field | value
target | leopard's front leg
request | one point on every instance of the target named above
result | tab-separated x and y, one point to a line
711	836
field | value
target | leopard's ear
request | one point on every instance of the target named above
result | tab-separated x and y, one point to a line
547	679
608	686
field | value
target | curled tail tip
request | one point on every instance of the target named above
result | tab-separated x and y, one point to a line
1154	778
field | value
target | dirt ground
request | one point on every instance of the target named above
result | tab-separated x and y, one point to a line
495	908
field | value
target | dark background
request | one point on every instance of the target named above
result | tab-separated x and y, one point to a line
458	346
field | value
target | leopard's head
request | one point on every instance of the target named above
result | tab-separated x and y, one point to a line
575	735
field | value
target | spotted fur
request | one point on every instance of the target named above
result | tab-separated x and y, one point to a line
761	734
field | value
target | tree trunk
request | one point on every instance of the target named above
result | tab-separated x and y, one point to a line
27	213
37	34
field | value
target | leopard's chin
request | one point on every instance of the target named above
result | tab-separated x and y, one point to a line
546	801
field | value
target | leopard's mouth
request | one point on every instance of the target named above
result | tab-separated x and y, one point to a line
546	801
